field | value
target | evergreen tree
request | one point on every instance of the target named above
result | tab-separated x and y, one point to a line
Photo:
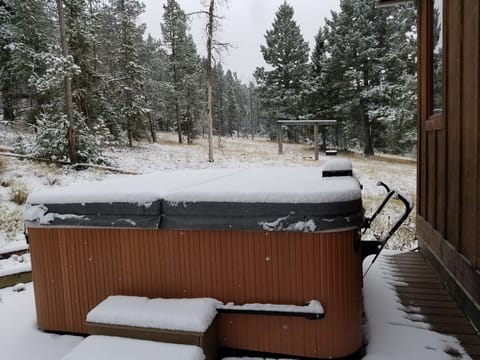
286	51
219	100
192	89
174	30
154	59
364	67
27	36
131	101
80	22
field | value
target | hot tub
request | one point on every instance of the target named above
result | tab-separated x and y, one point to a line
268	236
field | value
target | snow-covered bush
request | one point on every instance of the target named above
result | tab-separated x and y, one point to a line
52	137
12	222
18	193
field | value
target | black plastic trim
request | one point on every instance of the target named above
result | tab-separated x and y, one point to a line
306	315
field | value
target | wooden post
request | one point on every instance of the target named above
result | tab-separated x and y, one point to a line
279	139
315	139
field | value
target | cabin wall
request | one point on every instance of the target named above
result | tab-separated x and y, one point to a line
448	200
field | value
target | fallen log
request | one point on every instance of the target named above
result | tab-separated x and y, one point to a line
106	168
73	166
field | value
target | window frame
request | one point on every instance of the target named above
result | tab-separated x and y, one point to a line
435	121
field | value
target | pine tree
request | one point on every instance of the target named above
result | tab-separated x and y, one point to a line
80	21
154	60
27	36
364	68
130	74
286	52
218	100
174	30
192	89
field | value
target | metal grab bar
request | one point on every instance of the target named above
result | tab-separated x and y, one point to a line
380	244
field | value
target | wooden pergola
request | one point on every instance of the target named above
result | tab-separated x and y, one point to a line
315	124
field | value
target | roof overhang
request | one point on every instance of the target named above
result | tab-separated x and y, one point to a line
382	3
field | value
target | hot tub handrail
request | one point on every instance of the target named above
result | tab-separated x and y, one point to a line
383	241
368	220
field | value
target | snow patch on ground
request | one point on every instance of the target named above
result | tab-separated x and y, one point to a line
15	264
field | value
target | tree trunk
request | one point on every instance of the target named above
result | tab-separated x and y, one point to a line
128	95
179	124
252	127
189	119
68	86
368	135
8	108
210	79
175	83
152	128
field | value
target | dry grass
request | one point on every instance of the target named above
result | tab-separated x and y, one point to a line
19	193
404	238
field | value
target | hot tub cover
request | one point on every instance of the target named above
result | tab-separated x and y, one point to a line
288	199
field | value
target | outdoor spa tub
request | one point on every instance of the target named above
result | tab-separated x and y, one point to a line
243	236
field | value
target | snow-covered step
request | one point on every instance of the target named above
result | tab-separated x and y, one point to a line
97	347
180	321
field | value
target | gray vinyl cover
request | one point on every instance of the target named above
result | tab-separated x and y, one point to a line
210	215
236	211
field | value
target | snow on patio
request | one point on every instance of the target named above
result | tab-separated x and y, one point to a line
390	335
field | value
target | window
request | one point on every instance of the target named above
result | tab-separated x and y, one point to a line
436	56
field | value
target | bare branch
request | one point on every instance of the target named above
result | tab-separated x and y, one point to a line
203	12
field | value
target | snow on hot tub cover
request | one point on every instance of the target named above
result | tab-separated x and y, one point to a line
280	199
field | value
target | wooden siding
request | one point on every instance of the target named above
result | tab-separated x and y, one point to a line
449	145
76	268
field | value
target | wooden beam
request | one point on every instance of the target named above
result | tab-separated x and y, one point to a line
315	139
279	138
307	122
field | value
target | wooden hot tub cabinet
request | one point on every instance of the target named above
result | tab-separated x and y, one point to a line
74	269
268	236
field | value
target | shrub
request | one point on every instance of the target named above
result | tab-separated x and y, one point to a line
6	182
18	193
12	222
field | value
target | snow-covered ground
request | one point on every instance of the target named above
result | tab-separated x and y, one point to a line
390	334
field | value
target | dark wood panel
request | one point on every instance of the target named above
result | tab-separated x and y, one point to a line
477	260
13	279
454	119
441	182
422	112
431	177
469	174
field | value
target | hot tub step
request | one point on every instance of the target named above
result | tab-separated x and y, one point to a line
178	321
97	347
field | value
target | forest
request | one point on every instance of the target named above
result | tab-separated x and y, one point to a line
84	74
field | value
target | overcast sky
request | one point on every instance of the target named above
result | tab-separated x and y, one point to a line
244	25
